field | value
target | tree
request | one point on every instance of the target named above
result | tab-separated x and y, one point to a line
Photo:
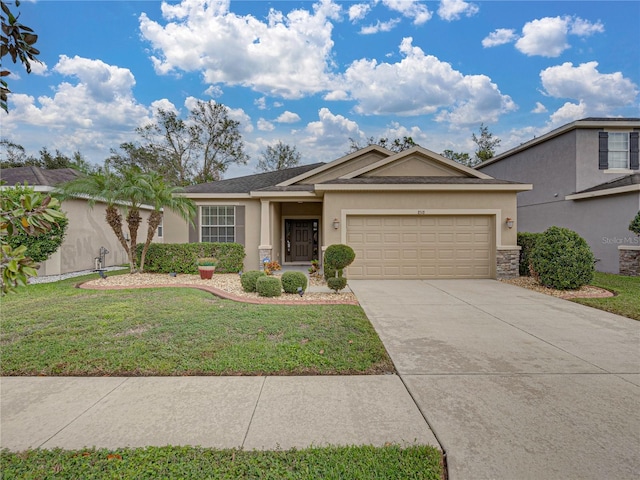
397	145
41	246
197	150
162	196
462	158
31	214
486	144
634	226
16	157
279	157
18	41
129	189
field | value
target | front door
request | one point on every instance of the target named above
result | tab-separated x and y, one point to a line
301	237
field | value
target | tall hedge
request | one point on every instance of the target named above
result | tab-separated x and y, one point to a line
562	259
182	257
527	241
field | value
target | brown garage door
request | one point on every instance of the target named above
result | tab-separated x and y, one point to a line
399	246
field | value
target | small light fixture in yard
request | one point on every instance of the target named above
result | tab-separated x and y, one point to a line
300	291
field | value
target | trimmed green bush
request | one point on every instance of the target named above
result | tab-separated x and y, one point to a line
183	257
291	281
561	259
634	226
269	286
337	283
526	241
329	272
248	279
339	256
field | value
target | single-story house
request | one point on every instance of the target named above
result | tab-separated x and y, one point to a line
585	177
407	215
87	230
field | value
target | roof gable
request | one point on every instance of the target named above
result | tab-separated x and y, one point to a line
416	161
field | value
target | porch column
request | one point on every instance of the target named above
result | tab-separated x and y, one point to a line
265	248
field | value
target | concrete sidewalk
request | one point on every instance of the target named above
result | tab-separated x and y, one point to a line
218	412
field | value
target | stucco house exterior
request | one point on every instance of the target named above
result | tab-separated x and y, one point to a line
413	214
87	230
585	177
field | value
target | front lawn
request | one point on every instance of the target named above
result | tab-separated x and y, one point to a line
626	302
354	462
56	329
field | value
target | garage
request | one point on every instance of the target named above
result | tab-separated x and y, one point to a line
421	246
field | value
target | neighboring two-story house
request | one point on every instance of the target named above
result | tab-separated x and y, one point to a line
585	177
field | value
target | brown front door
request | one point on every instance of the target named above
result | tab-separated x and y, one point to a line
301	240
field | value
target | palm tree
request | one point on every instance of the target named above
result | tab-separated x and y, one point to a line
162	196
126	189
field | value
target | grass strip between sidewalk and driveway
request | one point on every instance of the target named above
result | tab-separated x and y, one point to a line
56	329
352	462
626	301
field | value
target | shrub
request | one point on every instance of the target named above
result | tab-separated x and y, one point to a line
562	259
269	286
329	272
634	226
526	241
339	256
337	283
249	279
183	257
291	281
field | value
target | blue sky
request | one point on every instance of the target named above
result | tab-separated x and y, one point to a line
314	74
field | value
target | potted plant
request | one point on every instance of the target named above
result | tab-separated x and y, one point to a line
206	267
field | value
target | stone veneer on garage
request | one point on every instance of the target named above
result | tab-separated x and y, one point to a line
629	260
508	263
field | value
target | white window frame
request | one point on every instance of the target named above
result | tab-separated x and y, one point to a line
218	225
615	163
159	230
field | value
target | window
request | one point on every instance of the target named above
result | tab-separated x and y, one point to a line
618	150
159	231
217	224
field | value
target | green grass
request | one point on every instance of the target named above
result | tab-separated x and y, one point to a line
626	302
355	462
56	329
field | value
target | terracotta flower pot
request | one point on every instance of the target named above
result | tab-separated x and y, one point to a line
206	273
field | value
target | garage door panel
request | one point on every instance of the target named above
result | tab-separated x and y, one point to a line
420	246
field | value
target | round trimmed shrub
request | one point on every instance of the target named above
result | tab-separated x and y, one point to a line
526	241
291	281
337	283
268	286
339	256
329	272
634	226
561	259
249	279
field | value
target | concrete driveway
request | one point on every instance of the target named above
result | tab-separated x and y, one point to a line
515	384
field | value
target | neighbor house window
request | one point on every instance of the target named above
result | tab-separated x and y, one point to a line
217	224
618	150
159	231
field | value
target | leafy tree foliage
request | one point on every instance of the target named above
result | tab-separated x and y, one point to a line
18	42
279	157
462	158
634	226
486	144
31	214
41	246
396	145
129	189
196	150
15	156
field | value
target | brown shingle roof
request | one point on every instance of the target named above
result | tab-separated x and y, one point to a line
38	176
633	179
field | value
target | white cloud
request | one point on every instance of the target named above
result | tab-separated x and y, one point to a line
584	28
39	68
597	93
288	117
358	11
499	37
569	112
261	103
412	9
331	130
539	108
287	55
453	9
546	37
422	84
380	27
265	125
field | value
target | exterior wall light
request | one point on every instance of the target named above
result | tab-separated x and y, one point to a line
336	223
509	222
